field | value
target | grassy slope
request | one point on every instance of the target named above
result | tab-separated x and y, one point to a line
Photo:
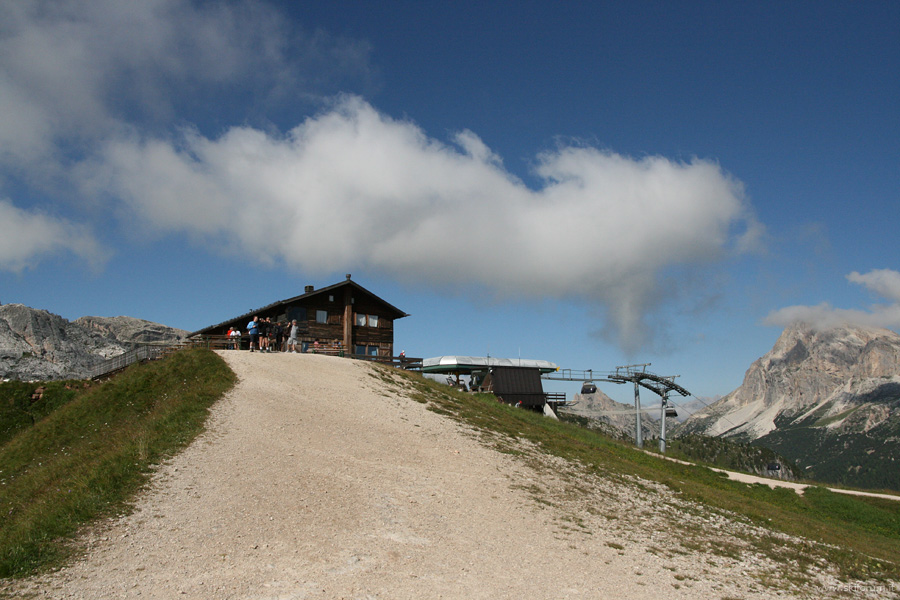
19	409
859	536
85	459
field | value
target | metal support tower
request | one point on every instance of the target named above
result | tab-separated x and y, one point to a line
638	430
662	386
664	408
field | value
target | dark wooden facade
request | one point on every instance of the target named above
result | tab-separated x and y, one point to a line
343	317
519	386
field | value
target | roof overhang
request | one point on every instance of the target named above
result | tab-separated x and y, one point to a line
471	364
392	311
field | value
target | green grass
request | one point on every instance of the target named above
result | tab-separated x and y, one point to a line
22	403
858	536
89	450
84	457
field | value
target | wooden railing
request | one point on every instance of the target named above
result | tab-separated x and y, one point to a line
224	342
402	362
555	397
220	342
146	352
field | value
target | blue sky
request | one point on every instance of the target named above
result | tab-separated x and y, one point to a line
594	184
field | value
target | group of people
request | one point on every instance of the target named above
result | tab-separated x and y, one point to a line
267	335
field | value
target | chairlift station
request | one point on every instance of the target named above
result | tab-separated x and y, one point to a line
517	382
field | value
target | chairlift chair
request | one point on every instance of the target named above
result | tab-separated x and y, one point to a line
588	388
670	411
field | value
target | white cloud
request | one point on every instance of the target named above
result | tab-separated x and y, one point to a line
353	188
26	237
96	85
76	71
884	282
77	75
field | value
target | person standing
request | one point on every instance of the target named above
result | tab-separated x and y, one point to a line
263	335
293	339
270	335
253	330
278	336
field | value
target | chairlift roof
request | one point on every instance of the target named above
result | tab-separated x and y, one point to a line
471	364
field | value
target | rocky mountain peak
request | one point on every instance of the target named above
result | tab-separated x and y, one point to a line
854	350
815	383
805	368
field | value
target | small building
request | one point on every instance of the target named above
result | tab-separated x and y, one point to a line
343	317
512	380
519	386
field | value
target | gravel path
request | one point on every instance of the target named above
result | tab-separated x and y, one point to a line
314	480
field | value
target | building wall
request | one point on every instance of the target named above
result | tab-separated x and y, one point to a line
331	333
322	316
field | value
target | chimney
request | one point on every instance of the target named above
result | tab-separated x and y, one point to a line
348	276
309	289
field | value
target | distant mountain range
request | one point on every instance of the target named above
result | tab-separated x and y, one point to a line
829	400
36	344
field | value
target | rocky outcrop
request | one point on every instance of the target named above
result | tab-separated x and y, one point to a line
827	399
36	344
130	330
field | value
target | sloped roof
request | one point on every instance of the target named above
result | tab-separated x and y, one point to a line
392	311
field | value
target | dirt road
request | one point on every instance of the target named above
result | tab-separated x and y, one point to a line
314	480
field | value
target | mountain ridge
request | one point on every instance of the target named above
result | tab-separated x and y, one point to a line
829	399
37	344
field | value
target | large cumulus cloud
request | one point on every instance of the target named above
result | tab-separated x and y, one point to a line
110	100
75	75
354	188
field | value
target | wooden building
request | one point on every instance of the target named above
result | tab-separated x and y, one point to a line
343	317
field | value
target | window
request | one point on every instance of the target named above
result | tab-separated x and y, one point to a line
296	312
321	316
366	320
